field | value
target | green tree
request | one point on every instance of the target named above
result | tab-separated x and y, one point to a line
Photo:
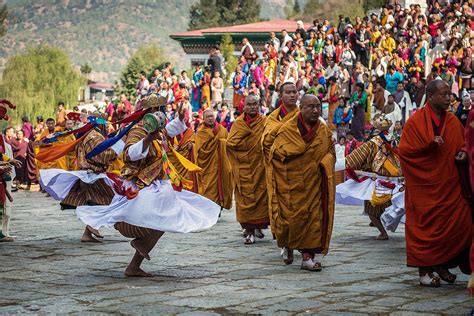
38	79
292	9
331	9
3	20
203	14
86	69
146	58
212	13
227	49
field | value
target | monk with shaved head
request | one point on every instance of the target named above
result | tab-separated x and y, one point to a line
439	226
245	153
303	158
215	179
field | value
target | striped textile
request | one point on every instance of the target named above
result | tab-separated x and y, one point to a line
98	163
132	231
133	168
97	193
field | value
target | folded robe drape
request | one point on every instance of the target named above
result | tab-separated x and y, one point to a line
244	150
303	214
215	179
438	219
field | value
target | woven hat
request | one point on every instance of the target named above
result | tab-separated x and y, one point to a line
381	122
153	101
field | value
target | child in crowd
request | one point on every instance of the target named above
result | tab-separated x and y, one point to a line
342	117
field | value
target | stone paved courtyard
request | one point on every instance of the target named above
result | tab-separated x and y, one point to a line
47	270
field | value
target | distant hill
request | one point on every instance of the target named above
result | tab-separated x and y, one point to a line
103	33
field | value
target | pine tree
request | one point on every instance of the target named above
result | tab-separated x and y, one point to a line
212	13
296	7
204	14
86	69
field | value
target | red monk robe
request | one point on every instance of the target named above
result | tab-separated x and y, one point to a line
438	218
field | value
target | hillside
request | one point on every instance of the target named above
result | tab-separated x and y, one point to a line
103	33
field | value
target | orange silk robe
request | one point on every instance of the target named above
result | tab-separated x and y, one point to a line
272	126
438	218
303	214
244	150
60	163
215	179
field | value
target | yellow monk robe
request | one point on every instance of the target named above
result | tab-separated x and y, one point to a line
215	179
272	125
60	163
183	144
71	157
244	150
304	172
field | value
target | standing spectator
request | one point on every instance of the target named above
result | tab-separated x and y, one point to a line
358	103
247	49
214	62
217	89
275	41
19	153
110	109
300	30
362	45
39	125
348	57
61	115
402	98
27	128
392	78
463	111
342	117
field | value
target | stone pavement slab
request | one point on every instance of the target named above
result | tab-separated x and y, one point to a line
48	270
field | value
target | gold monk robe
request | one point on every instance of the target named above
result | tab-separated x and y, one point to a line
71	157
183	144
375	156
303	169
60	163
271	127
215	179
244	150
97	193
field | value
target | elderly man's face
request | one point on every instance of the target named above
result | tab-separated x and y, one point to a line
209	119
251	106
310	109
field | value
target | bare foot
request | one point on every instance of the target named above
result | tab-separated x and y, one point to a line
382	237
94	232
7	239
89	238
136	272
136	245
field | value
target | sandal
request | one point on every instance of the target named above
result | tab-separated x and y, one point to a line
287	255
249	239
311	265
445	275
430	280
